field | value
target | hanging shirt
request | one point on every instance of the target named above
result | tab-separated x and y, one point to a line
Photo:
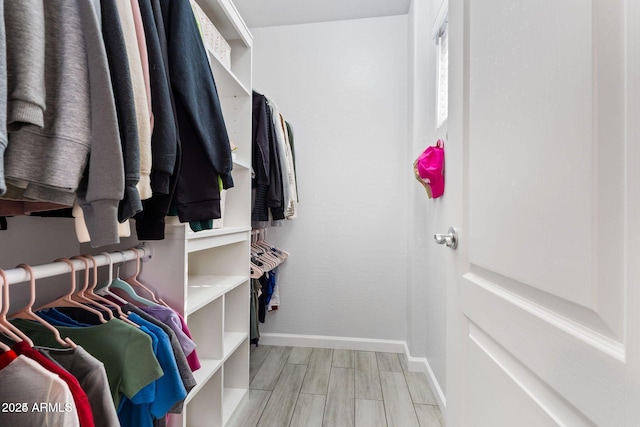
92	377
43	398
170	318
143	119
186	374
57	318
125	351
192	358
47	162
80	399
169	388
135	412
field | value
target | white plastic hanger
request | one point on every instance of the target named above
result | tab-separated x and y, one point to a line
128	290
133	280
104	288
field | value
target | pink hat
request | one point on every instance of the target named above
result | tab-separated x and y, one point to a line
429	169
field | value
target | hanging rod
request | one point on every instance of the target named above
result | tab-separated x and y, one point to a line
18	275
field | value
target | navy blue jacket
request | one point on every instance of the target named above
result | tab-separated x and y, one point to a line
206	153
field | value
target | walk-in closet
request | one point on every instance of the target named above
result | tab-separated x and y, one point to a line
241	213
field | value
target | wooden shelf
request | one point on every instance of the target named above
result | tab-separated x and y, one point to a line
201	290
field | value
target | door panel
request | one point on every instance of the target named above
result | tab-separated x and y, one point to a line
520	396
545	179
543	291
537	159
527	154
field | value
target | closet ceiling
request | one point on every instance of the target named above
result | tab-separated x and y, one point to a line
269	13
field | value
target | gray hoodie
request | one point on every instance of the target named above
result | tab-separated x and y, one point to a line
53	163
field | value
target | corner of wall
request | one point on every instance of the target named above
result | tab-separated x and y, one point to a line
425	332
421	364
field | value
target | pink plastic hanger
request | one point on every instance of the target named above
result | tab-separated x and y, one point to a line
27	312
89	293
255	271
262	242
262	255
5	326
80	295
66	301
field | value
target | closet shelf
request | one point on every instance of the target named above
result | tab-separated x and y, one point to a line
174	226
192	235
216	238
231	399
227	20
240	164
227	82
201	289
208	367
232	341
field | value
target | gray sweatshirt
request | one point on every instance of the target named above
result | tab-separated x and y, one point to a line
46	163
50	164
25	29
102	186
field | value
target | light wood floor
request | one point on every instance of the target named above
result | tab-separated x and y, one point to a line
307	387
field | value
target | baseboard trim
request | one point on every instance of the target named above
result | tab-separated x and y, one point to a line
421	364
337	343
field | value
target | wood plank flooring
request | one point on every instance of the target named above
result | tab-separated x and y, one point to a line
315	387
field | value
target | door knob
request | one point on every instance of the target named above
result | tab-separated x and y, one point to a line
450	239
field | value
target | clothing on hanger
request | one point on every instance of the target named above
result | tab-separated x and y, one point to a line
80	399
129	367
275	184
118	66
44	387
92	377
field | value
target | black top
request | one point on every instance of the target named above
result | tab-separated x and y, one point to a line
206	153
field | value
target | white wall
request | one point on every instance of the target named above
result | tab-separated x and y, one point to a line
34	241
427	276
343	86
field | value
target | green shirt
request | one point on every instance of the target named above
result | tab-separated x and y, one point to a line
124	350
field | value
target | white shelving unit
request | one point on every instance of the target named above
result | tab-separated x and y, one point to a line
206	274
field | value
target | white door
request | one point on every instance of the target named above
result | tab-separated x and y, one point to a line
544	126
